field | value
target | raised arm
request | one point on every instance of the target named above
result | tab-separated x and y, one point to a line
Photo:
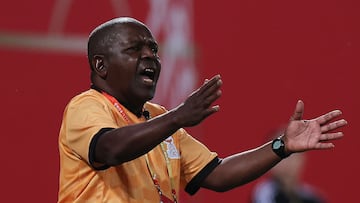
129	142
300	135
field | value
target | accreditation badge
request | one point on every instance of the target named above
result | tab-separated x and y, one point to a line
171	149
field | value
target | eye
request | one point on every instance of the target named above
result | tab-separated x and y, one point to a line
135	48
154	48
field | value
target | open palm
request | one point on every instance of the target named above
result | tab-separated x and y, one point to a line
302	135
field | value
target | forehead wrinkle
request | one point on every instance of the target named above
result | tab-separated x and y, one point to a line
112	40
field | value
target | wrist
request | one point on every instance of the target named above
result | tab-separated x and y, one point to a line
279	148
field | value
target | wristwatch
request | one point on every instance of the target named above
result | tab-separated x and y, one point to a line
278	146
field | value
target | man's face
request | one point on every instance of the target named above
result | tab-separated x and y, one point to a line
133	64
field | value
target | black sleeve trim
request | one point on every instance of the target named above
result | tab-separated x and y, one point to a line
194	185
92	149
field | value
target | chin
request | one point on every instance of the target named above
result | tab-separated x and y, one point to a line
150	98
147	97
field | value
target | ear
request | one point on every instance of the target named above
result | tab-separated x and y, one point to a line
99	66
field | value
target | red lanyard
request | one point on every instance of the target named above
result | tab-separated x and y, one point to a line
163	198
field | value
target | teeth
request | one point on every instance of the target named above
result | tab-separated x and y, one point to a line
149	70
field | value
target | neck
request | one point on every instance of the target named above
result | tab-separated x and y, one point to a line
135	109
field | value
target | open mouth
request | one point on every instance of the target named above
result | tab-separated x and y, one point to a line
148	76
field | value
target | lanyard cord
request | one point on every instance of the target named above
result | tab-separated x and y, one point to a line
169	169
151	171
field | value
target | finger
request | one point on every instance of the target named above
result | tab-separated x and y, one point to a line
299	111
212	110
330	136
333	125
211	84
324	145
327	117
209	99
212	80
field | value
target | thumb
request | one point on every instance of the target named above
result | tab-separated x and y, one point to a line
299	111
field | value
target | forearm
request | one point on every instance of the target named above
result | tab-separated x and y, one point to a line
129	142
241	168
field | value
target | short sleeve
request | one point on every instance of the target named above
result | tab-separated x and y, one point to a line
84	118
195	157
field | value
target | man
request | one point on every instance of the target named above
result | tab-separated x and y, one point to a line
116	146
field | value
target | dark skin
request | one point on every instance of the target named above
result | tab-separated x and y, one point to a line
120	71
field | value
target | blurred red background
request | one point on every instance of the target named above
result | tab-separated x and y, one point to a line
269	54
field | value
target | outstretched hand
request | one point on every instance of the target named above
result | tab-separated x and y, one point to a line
199	105
302	135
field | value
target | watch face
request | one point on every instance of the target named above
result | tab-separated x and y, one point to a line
278	147
277	144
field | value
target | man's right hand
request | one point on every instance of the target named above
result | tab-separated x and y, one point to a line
199	105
